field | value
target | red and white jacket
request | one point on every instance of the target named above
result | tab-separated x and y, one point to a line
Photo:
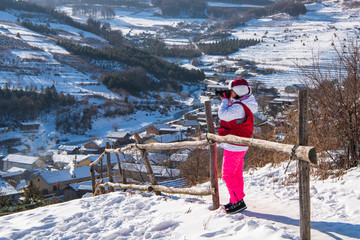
231	111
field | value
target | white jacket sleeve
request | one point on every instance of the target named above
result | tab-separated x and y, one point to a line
235	111
228	113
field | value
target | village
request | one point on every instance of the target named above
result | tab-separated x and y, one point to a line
63	174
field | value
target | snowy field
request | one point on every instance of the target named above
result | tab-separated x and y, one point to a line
273	213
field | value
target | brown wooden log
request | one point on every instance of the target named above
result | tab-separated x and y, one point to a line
304	153
92	172
97	160
173	146
121	173
109	170
213	157
121	150
146	163
304	169
171	190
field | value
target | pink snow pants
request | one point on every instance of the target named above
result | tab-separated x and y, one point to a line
232	174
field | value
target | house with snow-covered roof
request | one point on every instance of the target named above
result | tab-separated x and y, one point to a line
159	129
119	138
70	149
6	190
167	138
15	173
193	124
54	181
113	161
138	172
95	146
22	161
29	126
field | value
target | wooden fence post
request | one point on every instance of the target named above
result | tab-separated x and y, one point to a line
121	173
92	178
108	162
147	163
304	169
213	157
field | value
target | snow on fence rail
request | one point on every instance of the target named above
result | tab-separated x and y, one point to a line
306	155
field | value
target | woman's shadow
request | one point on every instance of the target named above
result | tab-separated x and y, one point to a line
344	229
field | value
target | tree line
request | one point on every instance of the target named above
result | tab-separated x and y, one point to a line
226	46
28	103
40	28
163	70
291	7
176	8
86	10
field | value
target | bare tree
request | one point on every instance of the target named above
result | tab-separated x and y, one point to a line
335	104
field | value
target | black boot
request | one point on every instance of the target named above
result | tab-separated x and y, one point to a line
226	206
236	207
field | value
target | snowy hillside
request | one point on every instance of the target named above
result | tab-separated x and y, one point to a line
35	59
273	213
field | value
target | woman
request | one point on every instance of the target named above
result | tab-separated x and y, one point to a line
236	115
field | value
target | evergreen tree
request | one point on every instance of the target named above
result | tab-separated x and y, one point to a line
32	194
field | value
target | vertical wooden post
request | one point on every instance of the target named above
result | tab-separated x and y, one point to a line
92	178
213	157
147	163
121	173
304	169
108	162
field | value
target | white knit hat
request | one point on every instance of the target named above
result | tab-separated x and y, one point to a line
240	87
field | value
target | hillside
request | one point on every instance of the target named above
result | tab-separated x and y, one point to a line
38	61
33	59
273	213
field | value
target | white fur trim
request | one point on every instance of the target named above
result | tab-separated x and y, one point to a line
241	90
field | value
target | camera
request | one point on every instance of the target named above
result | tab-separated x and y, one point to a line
221	93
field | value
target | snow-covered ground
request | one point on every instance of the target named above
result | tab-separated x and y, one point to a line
273	213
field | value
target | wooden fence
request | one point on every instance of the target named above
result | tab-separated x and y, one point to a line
305	155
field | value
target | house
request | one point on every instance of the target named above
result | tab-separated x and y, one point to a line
29	126
212	88
138	172
6	190
55	181
78	160
226	76
119	138
81	160
113	161
294	88
6	129
159	129
69	149
167	138
77	190
15	173
22	161
95	146
285	99
19	149
259	118
193	124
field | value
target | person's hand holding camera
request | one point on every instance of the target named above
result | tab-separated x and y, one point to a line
226	95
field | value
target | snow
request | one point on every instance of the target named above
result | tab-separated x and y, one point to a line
6	189
273	213
273	206
66	175
16	158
